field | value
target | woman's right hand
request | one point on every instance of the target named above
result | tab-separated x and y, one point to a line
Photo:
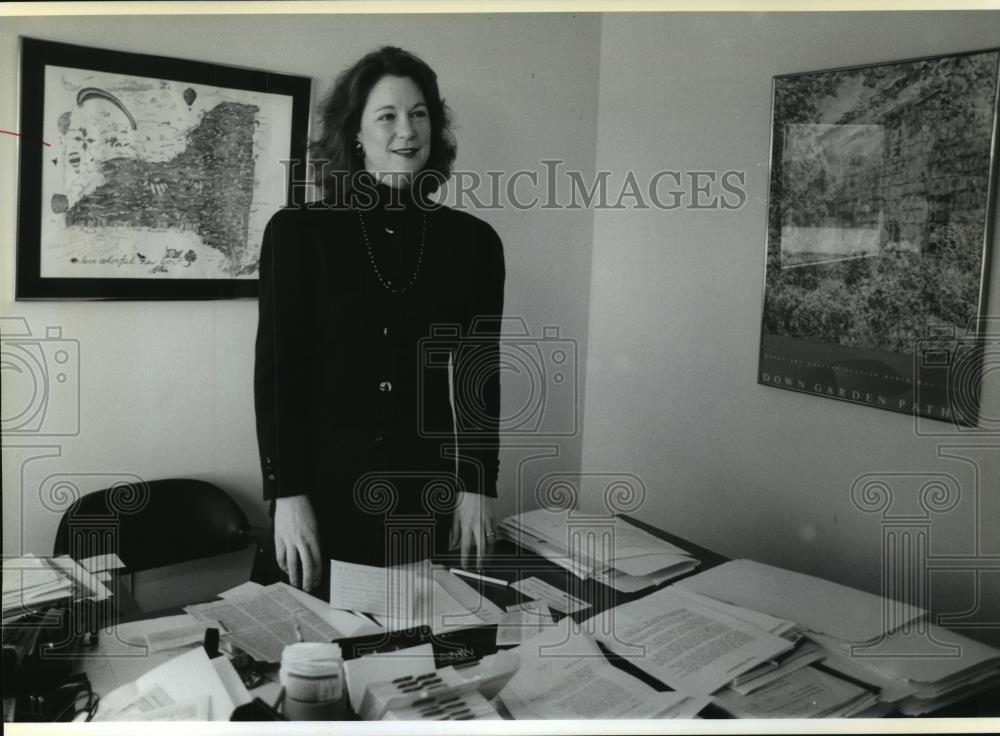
296	541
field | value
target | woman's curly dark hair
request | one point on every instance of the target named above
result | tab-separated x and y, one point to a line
334	158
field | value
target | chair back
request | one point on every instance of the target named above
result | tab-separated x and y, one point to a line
155	523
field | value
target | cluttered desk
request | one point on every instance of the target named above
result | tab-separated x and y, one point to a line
571	617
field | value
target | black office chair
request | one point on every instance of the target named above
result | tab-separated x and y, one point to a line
155	523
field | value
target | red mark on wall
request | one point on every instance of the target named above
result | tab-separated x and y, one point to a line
11	132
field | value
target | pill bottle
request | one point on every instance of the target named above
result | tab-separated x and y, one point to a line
312	675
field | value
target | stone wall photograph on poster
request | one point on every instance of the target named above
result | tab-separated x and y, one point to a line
879	220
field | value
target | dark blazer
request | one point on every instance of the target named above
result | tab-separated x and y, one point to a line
351	381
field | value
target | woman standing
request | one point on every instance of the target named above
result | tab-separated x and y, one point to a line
370	451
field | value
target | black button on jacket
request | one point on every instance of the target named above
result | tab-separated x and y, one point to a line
351	380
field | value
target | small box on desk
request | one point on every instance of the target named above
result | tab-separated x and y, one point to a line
447	693
450	684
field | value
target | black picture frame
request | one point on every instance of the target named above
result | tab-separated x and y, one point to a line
881	204
202	179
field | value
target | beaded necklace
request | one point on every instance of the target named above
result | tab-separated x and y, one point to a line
386	283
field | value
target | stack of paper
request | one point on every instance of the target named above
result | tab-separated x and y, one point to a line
771	624
885	644
612	551
845	615
919	668
564	674
687	646
803	654
805	693
31	582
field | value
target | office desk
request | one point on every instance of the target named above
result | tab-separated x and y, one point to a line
169	588
509	558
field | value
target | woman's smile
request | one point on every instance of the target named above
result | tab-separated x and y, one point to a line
395	131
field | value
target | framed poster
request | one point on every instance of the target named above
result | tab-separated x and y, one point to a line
146	177
880	208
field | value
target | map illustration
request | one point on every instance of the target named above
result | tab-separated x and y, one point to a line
149	178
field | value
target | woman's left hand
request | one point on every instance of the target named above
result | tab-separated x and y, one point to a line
473	522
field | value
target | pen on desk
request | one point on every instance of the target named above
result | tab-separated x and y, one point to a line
474	576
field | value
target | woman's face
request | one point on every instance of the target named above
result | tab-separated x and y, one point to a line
395	131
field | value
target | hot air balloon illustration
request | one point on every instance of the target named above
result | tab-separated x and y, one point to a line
189	96
89	93
63	123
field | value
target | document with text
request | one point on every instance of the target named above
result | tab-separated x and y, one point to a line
263	624
523	621
689	647
771	624
805	693
551	683
408	595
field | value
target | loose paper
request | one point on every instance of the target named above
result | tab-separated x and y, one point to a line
522	622
549	683
263	624
686	646
100	563
189	675
550	595
805	693
818	605
179	636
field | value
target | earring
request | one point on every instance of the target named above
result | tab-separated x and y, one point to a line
359	150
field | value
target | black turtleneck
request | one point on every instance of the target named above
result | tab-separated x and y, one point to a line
351	374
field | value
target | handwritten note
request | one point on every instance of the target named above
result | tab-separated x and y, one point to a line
402	593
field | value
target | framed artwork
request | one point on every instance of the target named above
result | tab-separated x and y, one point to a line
146	177
880	207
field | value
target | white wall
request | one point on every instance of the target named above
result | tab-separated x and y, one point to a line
749	470
165	387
